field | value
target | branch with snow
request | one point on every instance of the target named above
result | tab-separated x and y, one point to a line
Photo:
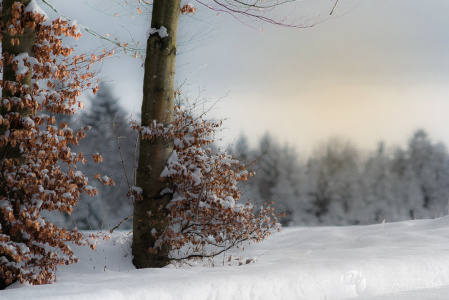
205	214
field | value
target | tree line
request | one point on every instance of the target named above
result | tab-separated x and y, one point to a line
338	184
342	185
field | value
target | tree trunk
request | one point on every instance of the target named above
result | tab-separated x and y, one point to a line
157	104
25	44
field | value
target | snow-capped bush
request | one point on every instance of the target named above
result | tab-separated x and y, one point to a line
205	214
39	74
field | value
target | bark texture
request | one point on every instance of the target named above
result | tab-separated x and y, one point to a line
25	45
157	104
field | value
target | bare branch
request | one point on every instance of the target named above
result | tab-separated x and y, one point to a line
93	32
333	8
121	222
114	125
258	12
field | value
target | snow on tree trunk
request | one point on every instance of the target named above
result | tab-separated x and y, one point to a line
157	104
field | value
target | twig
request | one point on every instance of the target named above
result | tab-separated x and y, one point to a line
333	8
121	222
87	218
109	203
114	125
92	32
135	159
232	245
198	203
201	195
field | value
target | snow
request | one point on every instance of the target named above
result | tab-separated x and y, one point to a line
72	23
137	189
35	8
21	68
28	121
161	31
406	260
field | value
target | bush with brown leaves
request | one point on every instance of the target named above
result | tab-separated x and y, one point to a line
205	215
37	167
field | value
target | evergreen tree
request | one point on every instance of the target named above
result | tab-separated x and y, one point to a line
109	131
267	167
105	108
378	185
286	192
407	193
429	162
334	183
249	158
279	177
335	186
242	149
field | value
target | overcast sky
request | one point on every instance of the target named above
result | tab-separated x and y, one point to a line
377	72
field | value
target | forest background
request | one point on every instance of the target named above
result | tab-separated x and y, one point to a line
338	184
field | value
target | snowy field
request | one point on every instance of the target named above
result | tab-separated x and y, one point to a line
407	260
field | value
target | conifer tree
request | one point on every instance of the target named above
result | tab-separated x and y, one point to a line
105	107
111	136
430	165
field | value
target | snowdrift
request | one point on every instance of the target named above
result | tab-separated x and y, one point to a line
407	260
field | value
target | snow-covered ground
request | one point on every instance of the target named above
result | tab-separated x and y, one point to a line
407	260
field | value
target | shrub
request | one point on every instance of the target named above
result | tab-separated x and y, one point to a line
37	168
205	215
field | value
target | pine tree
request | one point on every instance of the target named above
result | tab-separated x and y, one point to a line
429	162
334	186
378	186
111	136
104	109
286	192
242	149
407	193
267	167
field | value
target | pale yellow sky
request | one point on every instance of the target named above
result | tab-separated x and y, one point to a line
362	115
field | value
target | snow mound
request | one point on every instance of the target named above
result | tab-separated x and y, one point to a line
407	260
